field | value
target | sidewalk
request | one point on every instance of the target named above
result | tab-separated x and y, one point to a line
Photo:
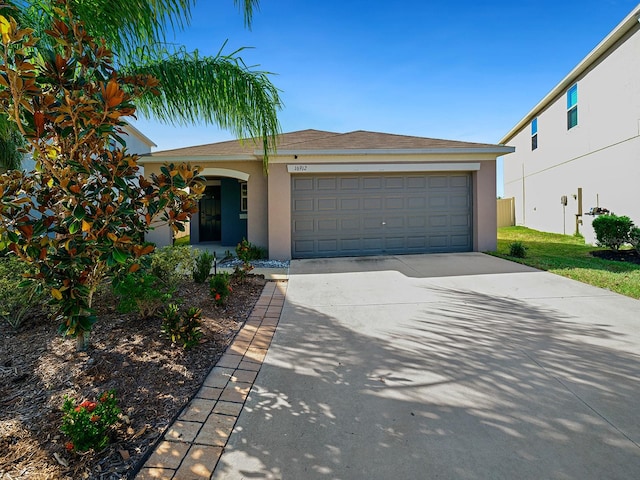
192	446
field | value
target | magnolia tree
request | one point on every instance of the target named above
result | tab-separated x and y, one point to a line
81	216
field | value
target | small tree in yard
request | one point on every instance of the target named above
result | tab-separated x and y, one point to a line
81	216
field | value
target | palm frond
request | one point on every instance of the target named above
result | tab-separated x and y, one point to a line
247	7
125	25
11	145
219	90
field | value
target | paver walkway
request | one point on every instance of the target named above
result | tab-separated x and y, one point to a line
192	446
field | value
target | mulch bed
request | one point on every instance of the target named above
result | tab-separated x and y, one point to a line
629	256
153	380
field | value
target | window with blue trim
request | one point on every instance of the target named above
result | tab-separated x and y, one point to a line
534	133
572	107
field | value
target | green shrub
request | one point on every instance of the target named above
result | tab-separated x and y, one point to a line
17	296
612	231
184	329
220	288
246	251
172	264
87	424
517	249
203	264
142	293
634	238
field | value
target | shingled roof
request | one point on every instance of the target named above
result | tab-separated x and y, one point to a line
318	140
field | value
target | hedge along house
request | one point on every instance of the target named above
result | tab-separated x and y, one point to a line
344	194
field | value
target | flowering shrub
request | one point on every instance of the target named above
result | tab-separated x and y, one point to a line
220	287
87	424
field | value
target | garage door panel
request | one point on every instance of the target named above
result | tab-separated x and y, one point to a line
373	183
327	204
349	183
459	240
459	181
347	204
303	226
350	224
416	221
394	203
394	182
328	226
417	242
416	203
369	214
329	183
373	243
436	221
372	223
416	182
301	184
438	181
304	247
350	245
373	203
303	205
438	201
436	241
460	221
397	222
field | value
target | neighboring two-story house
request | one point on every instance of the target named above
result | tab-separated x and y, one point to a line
579	147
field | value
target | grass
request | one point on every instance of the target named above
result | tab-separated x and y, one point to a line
568	256
186	240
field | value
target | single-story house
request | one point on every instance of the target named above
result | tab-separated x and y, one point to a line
578	148
331	194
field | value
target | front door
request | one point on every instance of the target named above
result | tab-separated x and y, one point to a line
210	215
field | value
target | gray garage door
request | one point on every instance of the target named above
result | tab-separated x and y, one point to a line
376	214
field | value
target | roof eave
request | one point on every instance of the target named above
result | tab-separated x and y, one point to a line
616	34
497	149
151	158
137	133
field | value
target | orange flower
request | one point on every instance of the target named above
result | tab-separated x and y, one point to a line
218	297
68	446
95	418
90	406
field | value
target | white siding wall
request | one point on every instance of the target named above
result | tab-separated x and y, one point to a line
601	154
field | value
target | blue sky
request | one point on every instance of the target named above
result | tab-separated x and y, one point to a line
460	70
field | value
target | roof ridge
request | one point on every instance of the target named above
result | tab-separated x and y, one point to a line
329	134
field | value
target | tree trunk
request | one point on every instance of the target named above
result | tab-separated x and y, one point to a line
82	341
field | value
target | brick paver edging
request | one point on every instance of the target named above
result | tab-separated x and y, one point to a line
192	446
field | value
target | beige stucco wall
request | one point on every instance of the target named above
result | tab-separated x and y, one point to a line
485	217
601	154
279	212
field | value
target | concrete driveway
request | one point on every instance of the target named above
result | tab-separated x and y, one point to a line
443	367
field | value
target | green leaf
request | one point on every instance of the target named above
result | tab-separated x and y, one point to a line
79	212
74	227
120	256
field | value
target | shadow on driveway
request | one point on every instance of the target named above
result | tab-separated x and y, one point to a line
454	384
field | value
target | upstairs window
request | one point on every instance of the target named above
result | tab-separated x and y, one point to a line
572	107
534	134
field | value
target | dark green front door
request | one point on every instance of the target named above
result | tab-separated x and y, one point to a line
210	215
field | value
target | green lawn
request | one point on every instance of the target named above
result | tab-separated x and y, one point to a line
568	256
